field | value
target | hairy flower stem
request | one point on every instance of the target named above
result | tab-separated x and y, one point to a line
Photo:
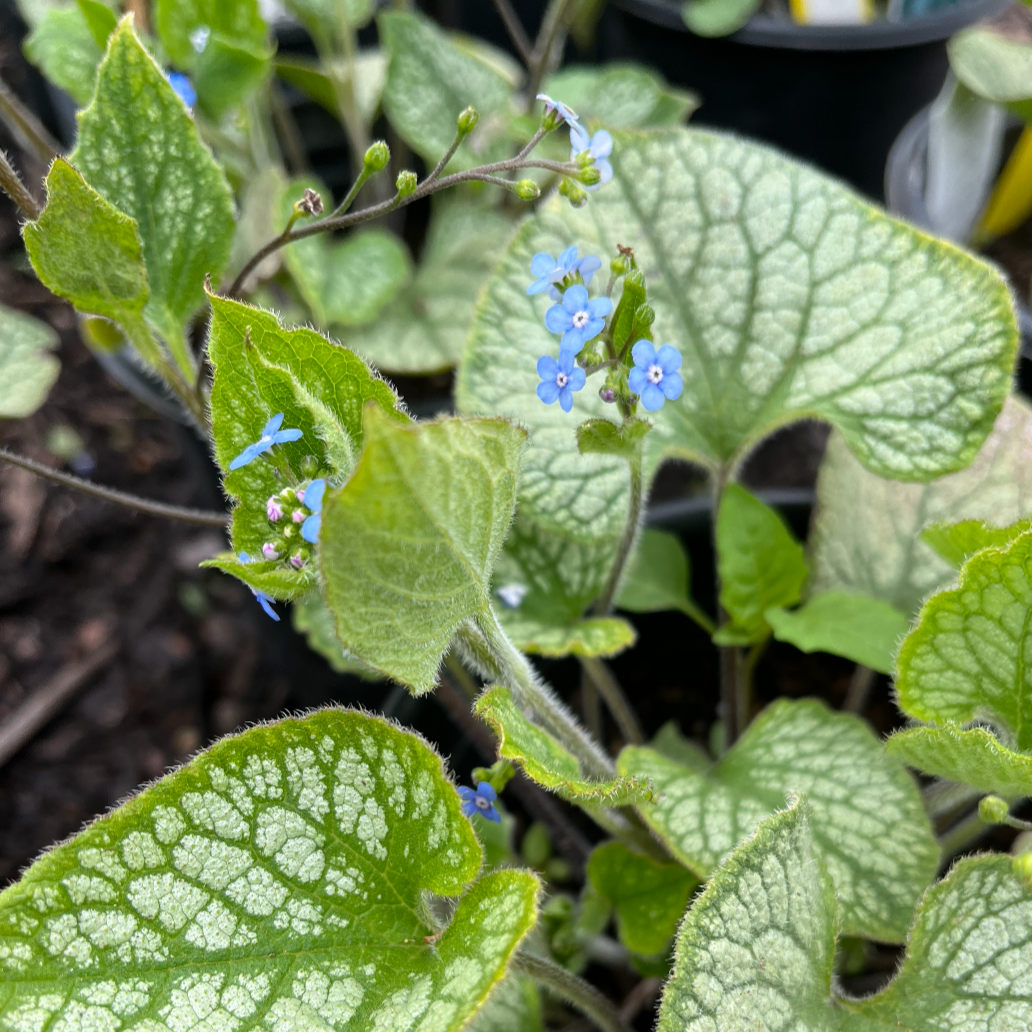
485	173
730	655
616	702
553	25
26	127
514	27
123	498
574	990
963	835
605	601
12	185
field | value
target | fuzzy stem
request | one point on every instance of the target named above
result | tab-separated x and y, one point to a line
551	25
12	185
694	613
514	27
963	835
604	604
566	985
109	494
610	690
28	130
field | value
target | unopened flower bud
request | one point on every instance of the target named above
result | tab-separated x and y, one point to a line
1022	867
993	810
646	314
310	203
607	394
406	183
309	466
274	509
299	516
269	551
297	560
377	157
573	193
527	190
620	265
467	121
591	176
288	496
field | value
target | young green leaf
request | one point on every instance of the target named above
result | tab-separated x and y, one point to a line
101	20
601	437
513	1006
187	27
228	73
967	658
311	618
274	579
328	20
756	950
429	82
759	563
863	629
958	542
275	881
603	636
424	328
867	533
995	62
546	761
408	544
621	96
649	897
870	826
717	17
788	298
139	149
27	368
65	50
973	757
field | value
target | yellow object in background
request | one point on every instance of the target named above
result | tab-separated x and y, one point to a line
832	12
1010	203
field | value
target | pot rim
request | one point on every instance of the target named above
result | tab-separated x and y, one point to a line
763	30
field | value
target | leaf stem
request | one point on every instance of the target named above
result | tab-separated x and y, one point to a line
698	616
746	669
12	185
729	654
551	25
27	129
860	685
616	702
604	603
513	25
109	494
581	994
963	835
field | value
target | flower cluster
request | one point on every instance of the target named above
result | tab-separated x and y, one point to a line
480	800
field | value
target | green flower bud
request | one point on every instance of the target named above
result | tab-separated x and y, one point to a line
309	467
406	183
377	156
591	176
620	265
573	193
497	775
993	810
527	190
467	121
1022	867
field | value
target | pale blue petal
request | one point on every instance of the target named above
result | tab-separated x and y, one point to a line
565	399
469	808
548	391
547	367
566	260
669	359
249	454
636	380
652	398
643	353
588	266
314	495
577	379
273	425
541	265
557	319
311	527
566	361
579	140
671	385
572	342
575	299
263	601
539	286
605	171
600	307
492	815
601	144
553	293
593	328
468	794
486	791
282	436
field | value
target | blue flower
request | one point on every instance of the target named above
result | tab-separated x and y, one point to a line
566	114
182	85
550	271
577	318
480	801
263	600
312	500
272	434
597	147
655	375
559	379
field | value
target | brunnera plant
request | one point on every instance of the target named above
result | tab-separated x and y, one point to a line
614	290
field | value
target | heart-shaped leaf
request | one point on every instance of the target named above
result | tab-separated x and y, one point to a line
833	758
27	368
278	881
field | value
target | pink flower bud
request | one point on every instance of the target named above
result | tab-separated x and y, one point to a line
269	550
273	509
297	561
298	516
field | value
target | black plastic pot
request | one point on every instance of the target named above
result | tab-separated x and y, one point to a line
836	96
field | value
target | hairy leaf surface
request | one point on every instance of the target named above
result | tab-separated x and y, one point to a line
65	51
274	882
869	825
546	761
408	544
27	368
866	537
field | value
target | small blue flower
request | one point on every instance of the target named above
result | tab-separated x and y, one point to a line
549	271
597	147
559	379
577	318
480	801
567	114
182	85
312	500
655	376
263	600
272	434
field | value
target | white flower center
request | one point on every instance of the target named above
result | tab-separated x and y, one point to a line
482	803
561	380
654	374
580	320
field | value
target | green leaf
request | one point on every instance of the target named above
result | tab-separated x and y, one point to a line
346	282
257	364
545	760
958	542
974	757
275	881
717	17
657	575
869	824
408	544
788	297
430	81
668	741
327	19
139	149
227	73
621	96
756	950
759	563
863	629
369	75
238	22
64	49
602	437
312	619
259	212
967	658
866	536
27	368
424	328
603	636
995	61
513	1006
100	19
649	897
274	579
